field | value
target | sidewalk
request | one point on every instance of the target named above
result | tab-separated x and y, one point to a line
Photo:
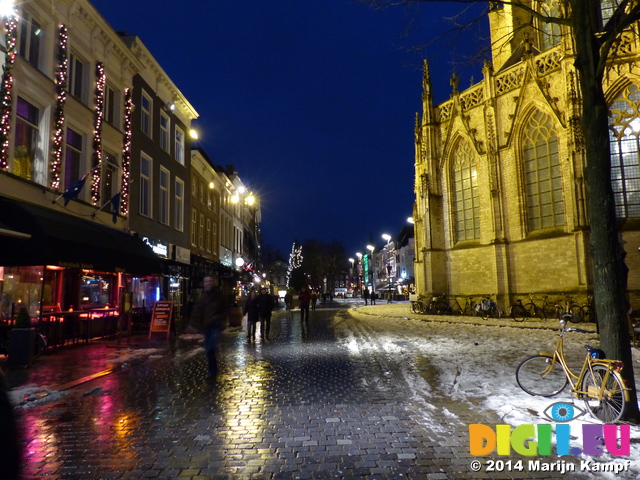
65	367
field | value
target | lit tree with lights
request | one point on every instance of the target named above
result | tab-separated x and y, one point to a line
295	276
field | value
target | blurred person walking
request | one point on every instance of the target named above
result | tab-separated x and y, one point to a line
209	316
266	304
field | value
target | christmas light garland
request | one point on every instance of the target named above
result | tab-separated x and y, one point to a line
97	132
6	90
126	152
62	72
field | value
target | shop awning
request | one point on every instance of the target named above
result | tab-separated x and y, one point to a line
47	237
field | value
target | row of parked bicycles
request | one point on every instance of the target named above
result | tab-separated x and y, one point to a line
538	307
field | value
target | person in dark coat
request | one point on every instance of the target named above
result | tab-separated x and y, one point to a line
365	295
252	311
305	300
209	316
266	304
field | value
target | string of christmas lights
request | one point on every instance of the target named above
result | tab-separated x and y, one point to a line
97	132
126	152
6	90
58	115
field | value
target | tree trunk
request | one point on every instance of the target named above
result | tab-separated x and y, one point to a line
609	269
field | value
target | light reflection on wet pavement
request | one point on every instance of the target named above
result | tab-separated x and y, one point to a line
301	406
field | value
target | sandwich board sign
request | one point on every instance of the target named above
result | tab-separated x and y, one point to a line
161	317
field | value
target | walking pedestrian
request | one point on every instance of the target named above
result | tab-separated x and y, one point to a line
314	300
209	316
288	301
304	298
389	296
266	305
252	311
374	295
365	295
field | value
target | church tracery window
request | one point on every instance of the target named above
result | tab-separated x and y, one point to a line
550	32
624	133
466	206
542	175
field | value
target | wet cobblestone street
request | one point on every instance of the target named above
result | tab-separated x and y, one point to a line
301	406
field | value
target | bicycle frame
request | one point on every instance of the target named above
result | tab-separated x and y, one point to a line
589	362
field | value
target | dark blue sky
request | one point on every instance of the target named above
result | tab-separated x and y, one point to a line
313	101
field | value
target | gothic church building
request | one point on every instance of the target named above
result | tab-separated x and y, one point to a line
500	195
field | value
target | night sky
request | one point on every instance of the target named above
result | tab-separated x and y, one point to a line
313	101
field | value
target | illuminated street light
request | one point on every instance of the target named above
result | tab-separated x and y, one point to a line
411	220
7	8
193	134
386	237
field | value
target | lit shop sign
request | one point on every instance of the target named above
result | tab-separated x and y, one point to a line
158	248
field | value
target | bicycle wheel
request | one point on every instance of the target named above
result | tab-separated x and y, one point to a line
588	314
39	345
518	313
577	314
541	375
414	307
604	382
535	311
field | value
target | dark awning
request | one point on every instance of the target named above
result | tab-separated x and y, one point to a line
66	240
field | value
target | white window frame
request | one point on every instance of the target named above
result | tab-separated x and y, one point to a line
165	128
77	87
178	218
180	146
146	114
146	190
112	106
194	226
163	199
29	28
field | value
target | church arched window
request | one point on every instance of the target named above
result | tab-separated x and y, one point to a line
550	32
624	130
607	8
542	176
466	207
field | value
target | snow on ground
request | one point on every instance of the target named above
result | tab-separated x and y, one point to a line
476	364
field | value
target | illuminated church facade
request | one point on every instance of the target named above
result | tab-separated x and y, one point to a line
499	184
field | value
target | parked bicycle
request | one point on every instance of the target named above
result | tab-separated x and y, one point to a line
438	305
599	384
487	308
571	307
520	312
458	308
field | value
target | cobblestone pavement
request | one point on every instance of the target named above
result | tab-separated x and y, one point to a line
301	406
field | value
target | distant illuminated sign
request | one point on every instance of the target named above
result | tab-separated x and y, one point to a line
158	248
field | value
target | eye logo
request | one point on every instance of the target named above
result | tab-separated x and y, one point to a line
562	412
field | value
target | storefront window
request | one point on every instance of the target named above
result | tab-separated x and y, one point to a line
95	291
20	287
146	291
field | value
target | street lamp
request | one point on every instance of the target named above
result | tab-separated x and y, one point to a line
371	248
387	260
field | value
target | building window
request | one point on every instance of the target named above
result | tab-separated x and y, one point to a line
466	206
77	72
164	131
109	180
194	186
179	146
214	237
145	186
145	114
201	190
72	158
550	32
194	226
163	214
201	231
624	131
28	154
178	217
542	176
111	106
207	238
29	39
607	8
210	199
